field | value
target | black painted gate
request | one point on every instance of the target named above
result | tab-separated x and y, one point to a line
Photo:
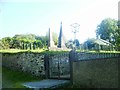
57	66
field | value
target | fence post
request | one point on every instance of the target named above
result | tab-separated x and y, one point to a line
72	57
118	70
46	65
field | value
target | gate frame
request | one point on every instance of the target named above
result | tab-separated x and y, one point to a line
47	71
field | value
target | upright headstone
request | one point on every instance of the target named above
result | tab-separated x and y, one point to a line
51	42
61	41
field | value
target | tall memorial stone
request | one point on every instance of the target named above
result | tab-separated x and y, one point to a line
50	42
61	41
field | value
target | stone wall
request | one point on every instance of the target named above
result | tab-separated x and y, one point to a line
27	62
33	62
99	73
93	56
86	71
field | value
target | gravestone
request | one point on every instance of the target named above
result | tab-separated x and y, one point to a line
61	40
51	42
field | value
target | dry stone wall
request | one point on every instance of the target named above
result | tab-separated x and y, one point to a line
27	62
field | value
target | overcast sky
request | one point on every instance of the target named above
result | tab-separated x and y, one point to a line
37	16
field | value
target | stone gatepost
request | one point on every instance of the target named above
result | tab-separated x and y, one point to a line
72	57
46	65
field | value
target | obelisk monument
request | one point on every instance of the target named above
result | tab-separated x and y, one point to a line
51	42
61	41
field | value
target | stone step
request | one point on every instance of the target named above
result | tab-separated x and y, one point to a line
47	83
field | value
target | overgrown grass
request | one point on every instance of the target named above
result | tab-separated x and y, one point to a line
15	79
18	50
44	51
55	52
33	51
12	51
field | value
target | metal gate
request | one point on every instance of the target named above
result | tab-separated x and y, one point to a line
57	66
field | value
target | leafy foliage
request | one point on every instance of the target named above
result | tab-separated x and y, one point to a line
55	38
6	42
117	38
89	44
76	42
70	44
23	41
106	29
109	29
26	41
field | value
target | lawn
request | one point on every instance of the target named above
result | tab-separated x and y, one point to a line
14	79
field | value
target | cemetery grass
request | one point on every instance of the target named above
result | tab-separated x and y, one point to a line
15	79
33	51
19	50
45	51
